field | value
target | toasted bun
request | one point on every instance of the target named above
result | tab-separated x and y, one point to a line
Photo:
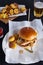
27	33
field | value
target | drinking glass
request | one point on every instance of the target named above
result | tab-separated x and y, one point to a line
38	8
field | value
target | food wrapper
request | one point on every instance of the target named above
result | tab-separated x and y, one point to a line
13	55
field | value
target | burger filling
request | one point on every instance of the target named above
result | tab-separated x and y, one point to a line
24	42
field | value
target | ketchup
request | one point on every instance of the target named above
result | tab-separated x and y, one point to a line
1	31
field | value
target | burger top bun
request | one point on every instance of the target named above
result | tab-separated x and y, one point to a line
27	33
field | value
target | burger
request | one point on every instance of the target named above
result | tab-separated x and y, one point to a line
27	37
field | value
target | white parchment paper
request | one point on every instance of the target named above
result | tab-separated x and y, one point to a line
13	55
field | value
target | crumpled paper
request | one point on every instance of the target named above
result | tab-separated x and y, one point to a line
13	55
